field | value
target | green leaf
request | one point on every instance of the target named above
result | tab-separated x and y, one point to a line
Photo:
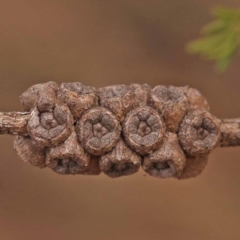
214	27
221	38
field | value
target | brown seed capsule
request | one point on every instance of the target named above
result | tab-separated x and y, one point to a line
78	97
50	128
30	151
197	100
172	103
68	157
143	130
199	132
118	98
45	92
93	167
142	94
167	161
98	131
121	161
194	166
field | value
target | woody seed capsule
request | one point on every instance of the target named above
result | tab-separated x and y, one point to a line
50	128
45	92
143	130
167	161
142	94
194	166
30	151
172	103
78	97
118	98
120	161
68	157
199	132
197	100
98	131
93	167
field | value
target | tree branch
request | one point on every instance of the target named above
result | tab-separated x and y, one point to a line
230	132
14	123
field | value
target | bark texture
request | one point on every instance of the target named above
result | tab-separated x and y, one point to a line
230	132
14	123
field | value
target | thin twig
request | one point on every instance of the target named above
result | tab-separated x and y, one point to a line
230	132
15	123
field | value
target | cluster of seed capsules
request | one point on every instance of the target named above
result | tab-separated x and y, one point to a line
76	129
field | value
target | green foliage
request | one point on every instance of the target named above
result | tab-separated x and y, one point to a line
221	38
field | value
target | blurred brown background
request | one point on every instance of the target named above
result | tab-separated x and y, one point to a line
102	43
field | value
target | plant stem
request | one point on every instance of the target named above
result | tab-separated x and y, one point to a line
230	132
15	123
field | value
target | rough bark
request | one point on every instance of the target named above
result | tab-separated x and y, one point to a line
14	123
230	132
